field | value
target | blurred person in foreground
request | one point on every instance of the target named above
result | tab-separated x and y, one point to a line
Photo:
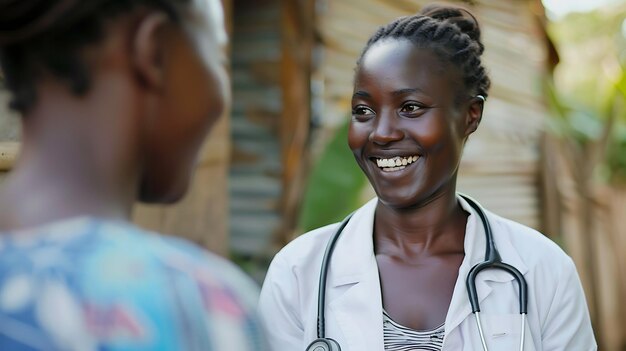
116	98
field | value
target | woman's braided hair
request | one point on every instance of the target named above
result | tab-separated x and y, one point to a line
451	32
39	37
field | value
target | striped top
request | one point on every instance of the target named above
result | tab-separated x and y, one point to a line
400	338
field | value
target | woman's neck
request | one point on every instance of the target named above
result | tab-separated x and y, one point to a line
438	227
77	159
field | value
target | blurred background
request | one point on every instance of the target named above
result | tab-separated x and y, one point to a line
550	152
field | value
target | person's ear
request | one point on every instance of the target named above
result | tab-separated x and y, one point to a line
148	50
474	114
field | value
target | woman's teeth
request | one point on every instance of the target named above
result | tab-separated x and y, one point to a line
395	164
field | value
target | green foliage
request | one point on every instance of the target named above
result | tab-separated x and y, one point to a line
334	186
591	46
573	120
616	155
589	87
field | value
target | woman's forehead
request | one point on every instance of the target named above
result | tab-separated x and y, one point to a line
399	63
402	54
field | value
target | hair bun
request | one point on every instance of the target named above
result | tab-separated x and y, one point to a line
456	15
23	19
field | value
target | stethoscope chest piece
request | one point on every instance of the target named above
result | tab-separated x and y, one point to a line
324	344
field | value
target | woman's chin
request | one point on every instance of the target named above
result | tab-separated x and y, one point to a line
162	194
397	199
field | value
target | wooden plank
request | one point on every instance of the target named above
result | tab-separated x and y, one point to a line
500	169
499	5
358	11
515	200
297	42
617	212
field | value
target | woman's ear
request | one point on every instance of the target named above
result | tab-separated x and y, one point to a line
148	50
474	114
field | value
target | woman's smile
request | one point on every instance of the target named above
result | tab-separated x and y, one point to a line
394	164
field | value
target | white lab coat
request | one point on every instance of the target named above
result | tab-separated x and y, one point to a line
558	318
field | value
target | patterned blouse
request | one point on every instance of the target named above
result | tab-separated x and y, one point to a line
92	285
400	338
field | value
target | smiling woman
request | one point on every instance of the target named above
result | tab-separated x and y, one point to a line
403	111
397	269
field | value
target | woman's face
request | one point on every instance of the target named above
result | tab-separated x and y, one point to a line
409	122
196	91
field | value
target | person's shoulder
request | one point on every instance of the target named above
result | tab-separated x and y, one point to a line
179	256
161	283
311	243
310	246
119	260
222	292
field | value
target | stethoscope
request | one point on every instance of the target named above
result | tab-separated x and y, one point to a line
492	261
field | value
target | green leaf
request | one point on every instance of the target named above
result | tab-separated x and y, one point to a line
334	186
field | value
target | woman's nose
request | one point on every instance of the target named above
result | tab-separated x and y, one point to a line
386	130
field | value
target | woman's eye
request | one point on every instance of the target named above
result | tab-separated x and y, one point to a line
362	111
410	108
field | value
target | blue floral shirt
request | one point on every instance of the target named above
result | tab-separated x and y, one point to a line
86	284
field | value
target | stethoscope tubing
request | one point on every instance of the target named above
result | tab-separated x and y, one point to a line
492	261
321	294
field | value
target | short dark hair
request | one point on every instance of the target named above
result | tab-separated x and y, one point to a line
40	37
451	32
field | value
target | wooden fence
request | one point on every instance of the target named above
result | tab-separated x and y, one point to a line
592	231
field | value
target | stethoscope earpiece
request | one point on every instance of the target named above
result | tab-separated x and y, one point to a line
324	344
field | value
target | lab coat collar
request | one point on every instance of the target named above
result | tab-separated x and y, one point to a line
356	299
354	296
476	242
354	252
475	245
355	247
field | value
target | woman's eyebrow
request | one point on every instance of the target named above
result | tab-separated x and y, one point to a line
399	92
406	91
361	93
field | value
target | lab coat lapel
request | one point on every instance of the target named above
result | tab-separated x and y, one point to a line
474	253
354	286
475	245
354	297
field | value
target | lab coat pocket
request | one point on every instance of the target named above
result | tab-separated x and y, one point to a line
503	332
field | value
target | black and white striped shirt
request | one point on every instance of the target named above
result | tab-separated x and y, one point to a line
400	338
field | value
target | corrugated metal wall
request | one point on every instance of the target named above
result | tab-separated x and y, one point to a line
256	169
501	161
